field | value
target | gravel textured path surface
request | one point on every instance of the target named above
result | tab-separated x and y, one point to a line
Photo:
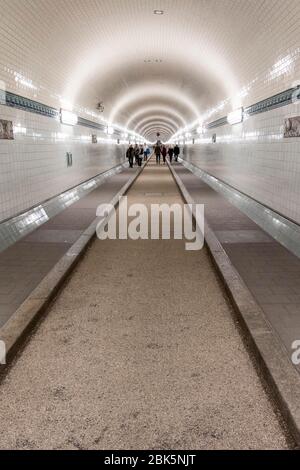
139	351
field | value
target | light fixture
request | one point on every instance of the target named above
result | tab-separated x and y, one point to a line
158	12
67	117
200	130
235	117
110	130
18	129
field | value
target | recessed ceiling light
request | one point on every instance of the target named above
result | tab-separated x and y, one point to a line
158	12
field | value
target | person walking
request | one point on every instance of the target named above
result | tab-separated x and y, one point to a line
141	153
136	154
164	153
176	152
157	151
170	153
130	155
146	152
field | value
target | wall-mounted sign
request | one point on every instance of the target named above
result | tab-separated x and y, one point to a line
94	139
6	130
292	127
214	138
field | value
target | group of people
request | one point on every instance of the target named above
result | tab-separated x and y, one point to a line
137	153
161	150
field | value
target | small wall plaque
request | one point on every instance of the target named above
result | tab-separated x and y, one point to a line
6	130
69	157
214	138
94	139
292	127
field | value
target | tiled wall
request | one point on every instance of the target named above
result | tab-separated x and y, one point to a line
33	167
255	158
42	46
265	58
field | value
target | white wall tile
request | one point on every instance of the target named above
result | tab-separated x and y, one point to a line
33	167
256	159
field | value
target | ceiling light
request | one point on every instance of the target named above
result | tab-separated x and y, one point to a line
158	12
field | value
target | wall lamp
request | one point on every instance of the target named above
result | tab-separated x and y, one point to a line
67	117
109	130
235	117
200	130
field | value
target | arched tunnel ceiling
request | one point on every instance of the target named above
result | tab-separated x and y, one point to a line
164	70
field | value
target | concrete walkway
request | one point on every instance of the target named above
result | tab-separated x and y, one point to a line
24	264
270	271
139	351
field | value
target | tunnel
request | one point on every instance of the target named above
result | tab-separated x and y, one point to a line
150	227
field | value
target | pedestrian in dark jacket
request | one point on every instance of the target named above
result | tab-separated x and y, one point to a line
176	152
171	153
157	151
164	154
141	155
130	155
136	154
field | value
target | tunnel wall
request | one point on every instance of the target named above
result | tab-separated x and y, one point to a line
33	166
255	158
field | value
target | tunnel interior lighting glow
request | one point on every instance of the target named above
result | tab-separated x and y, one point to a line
24	81
200	130
110	130
235	117
158	12
18	129
67	117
